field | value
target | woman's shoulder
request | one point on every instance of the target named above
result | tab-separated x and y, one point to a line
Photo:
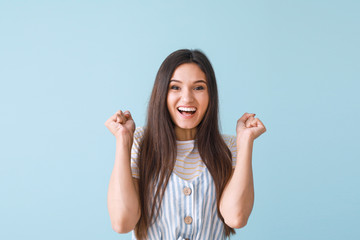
230	140
139	130
139	133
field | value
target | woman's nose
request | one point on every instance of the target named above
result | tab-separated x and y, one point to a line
188	95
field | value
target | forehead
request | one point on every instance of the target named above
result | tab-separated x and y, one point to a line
188	72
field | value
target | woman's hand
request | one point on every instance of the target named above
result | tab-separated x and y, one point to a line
249	127
121	125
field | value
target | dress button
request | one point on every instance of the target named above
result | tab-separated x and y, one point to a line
187	191
188	220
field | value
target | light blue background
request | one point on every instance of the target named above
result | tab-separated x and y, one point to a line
67	66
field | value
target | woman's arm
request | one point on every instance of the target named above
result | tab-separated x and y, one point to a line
123	195
237	199
123	192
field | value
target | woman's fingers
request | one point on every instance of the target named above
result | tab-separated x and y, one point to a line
243	121
127	115
118	118
259	123
246	116
255	122
121	117
250	121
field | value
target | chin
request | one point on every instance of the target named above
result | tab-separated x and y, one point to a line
186	126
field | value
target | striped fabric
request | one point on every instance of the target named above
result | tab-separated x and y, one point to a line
188	210
188	163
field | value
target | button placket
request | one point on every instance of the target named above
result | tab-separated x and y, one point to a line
189	201
188	197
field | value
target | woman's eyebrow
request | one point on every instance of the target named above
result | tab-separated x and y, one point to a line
197	81
173	80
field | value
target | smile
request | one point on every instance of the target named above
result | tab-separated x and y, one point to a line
187	111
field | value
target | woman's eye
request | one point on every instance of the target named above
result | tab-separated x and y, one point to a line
199	88
174	87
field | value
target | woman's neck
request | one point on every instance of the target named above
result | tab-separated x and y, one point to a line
185	134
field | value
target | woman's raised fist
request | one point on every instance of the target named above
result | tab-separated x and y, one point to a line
121	124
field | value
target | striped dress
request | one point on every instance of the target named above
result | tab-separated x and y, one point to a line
188	210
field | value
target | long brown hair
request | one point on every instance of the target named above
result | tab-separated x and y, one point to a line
158	147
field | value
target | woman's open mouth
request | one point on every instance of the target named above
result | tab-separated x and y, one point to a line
187	111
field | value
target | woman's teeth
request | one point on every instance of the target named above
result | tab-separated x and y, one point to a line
187	111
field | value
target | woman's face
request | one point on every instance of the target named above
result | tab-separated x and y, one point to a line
187	99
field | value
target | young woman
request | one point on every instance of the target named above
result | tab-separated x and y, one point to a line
178	177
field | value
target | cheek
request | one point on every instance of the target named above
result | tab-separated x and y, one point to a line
170	102
205	102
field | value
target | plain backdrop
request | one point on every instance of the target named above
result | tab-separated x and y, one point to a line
67	66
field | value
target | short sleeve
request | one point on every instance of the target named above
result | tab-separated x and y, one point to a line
231	143
135	151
